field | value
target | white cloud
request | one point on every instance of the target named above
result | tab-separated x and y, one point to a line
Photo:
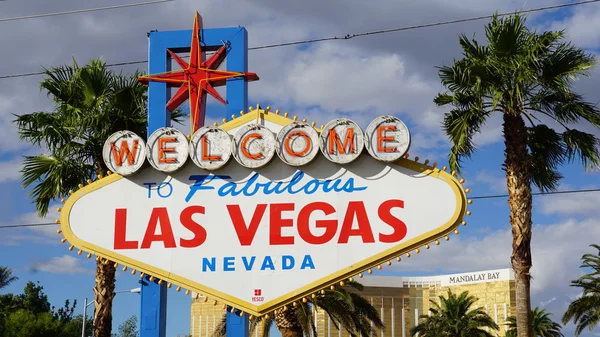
581	27
34	218
9	170
496	183
556	249
570	204
66	264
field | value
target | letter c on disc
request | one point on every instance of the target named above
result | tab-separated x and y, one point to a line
253	146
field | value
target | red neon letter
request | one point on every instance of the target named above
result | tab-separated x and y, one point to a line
356	208
291	151
159	215
245	232
120	231
334	142
199	232
245	151
381	138
386	216
329	225
162	150
276	223
205	155
124	151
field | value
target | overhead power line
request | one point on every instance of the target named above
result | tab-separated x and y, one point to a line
350	36
538	193
83	10
476	197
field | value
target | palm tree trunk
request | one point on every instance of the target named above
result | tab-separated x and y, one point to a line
519	200
287	323
104	292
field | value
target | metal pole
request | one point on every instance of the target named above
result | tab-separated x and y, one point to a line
84	317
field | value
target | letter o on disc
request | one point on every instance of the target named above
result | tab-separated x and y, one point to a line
167	149
297	144
253	146
124	152
210	148
341	141
388	138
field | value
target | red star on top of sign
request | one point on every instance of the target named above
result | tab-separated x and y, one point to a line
197	78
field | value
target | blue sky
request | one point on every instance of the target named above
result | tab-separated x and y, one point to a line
362	78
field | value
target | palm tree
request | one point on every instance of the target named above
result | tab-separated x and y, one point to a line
453	317
526	77
346	308
6	277
542	325
90	103
585	310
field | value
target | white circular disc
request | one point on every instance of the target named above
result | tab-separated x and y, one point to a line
297	144
341	134
387	138
167	149
253	146
210	148
124	152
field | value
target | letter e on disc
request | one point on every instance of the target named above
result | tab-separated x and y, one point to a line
210	148
388	138
297	144
342	141
253	146
124	152
167	149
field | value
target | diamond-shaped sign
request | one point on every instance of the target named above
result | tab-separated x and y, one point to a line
259	238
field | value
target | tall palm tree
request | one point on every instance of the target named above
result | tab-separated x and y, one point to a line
90	103
453	317
585	310
526	77
542	325
6	277
347	309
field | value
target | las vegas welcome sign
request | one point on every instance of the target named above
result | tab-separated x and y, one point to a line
263	210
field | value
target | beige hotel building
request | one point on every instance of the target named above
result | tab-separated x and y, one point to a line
401	301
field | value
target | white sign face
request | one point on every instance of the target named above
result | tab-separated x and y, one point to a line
280	231
124	152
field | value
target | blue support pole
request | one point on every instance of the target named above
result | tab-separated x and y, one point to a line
236	325
154	296
153	318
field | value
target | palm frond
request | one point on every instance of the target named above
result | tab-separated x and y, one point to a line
585	310
461	125
583	146
547	150
54	175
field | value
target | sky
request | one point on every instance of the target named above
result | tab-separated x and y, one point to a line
359	78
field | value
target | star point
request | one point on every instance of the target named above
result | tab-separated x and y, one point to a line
197	78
